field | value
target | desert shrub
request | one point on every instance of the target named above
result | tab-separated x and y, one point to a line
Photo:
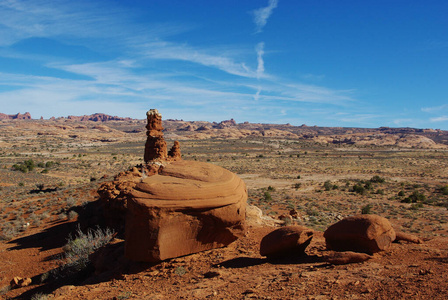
297	185
40	165
20	167
380	192
62	216
49	164
327	185
271	188
39	296
365	210
359	189
400	193
78	248
72	215
70	202
180	271
377	179
415	197
267	196
9	231
5	289
444	190
368	185
416	206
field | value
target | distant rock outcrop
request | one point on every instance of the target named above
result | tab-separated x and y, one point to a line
98	117
18	116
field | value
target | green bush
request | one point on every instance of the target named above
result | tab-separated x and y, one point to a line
368	185
267	196
444	190
359	189
25	166
328	186
377	179
400	193
415	197
365	210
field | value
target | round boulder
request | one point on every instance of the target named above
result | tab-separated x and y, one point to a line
362	233
286	241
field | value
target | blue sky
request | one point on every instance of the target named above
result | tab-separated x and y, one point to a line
346	63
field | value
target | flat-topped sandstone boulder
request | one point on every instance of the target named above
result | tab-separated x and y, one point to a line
186	208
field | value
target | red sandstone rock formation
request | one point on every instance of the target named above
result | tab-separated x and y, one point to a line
186	208
97	117
362	233
286	241
19	116
401	236
174	153
173	207
155	147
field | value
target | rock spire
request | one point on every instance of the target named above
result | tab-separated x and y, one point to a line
155	147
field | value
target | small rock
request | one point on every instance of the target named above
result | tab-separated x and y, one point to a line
401	236
285	241
18	282
347	257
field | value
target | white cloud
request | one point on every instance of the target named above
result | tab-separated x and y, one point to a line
435	109
260	63
171	51
257	94
262	15
439	119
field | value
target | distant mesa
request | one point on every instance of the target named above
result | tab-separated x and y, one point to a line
172	207
18	116
98	117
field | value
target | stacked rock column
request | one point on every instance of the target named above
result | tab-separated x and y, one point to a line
155	147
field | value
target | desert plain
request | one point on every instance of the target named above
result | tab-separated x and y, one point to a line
50	171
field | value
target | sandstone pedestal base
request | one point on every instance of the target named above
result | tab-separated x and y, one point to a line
186	208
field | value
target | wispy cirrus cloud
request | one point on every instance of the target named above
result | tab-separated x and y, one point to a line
260	62
172	51
439	119
435	109
261	15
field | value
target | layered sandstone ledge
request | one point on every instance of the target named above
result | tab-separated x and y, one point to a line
188	207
